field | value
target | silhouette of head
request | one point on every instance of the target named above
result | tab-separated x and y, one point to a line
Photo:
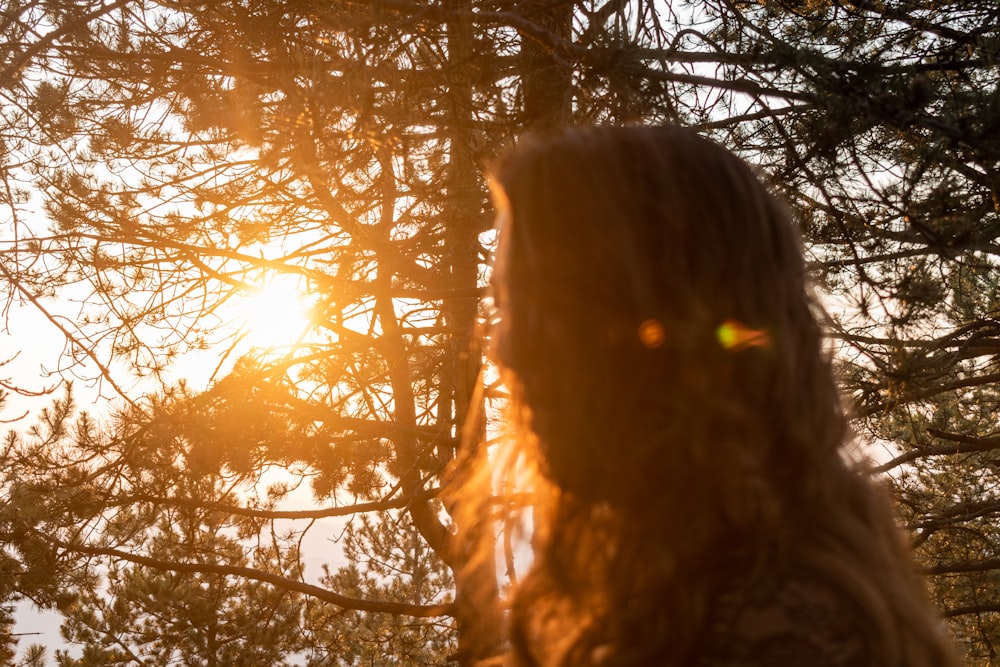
654	314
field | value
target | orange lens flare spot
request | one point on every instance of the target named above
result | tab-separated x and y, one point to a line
651	334
735	336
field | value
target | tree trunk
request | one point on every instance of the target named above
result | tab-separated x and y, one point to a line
547	76
477	609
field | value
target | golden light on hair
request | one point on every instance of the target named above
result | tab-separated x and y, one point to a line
734	336
651	334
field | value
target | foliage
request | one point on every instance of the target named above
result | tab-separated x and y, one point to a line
7	640
387	560
151	617
888	152
210	584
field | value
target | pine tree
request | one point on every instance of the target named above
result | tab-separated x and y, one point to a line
163	159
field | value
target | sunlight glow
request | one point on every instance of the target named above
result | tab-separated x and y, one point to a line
276	314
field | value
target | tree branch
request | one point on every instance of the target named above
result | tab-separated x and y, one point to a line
965	444
292	585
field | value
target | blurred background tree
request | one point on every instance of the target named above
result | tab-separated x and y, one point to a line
163	161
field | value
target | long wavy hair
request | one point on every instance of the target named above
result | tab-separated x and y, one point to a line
672	389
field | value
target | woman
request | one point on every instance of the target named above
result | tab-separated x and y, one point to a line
662	346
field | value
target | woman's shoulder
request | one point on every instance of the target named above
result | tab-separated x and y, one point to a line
785	618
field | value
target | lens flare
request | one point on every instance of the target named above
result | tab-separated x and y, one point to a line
651	334
734	336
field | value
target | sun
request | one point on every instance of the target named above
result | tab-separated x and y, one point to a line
275	314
